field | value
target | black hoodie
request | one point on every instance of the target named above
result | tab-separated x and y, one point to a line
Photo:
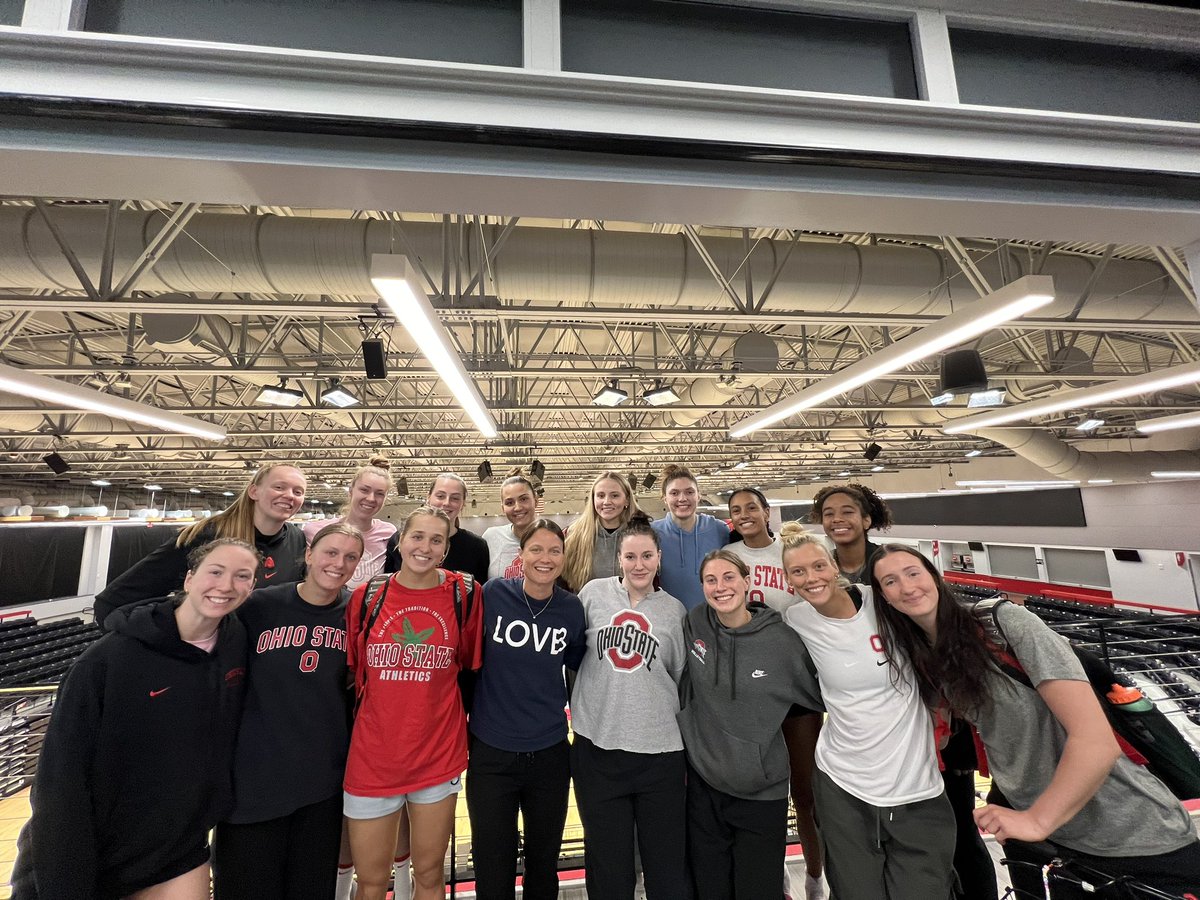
738	687
136	764
162	570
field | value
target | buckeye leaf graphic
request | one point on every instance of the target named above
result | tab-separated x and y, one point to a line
410	636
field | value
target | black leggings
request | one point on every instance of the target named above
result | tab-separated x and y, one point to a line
499	784
293	857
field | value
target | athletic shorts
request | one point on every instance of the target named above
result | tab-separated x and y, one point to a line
355	807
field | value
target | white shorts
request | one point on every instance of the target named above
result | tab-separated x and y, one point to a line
356	807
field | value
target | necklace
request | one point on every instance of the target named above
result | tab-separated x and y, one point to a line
533	615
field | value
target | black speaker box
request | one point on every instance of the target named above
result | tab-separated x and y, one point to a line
57	463
374	360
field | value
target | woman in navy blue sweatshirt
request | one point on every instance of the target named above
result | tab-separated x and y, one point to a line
519	757
281	840
135	767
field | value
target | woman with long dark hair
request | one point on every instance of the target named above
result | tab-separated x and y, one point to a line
627	756
259	516
281	840
135	767
887	825
406	644
1050	748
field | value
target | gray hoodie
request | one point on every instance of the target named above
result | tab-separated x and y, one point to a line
739	686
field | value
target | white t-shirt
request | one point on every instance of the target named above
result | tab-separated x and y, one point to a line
878	742
768	583
505	552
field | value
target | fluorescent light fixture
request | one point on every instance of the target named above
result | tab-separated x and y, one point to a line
1021	296
845	474
1169	423
100	482
336	395
817	477
1096	395
610	395
398	285
1089	423
279	395
990	397
971	454
660	395
876	468
1007	482
741	464
942	399
1178	474
195	491
226	493
1100	481
154	487
51	390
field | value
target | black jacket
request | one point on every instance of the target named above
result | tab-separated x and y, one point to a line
136	765
161	571
467	552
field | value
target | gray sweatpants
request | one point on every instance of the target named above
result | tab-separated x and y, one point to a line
894	852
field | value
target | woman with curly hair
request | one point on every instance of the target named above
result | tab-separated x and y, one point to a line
593	538
847	512
1050	747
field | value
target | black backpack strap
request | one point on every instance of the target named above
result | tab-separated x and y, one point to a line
986	613
464	597
372	602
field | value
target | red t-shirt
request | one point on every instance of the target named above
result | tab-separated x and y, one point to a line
411	731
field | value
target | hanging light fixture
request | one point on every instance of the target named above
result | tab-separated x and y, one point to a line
279	395
610	395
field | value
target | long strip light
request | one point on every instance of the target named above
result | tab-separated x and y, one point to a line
1168	423
1085	398
396	281
74	396
1009	302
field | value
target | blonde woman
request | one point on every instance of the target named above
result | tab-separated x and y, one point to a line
369	489
593	538
259	516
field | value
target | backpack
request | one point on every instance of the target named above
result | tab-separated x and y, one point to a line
1148	738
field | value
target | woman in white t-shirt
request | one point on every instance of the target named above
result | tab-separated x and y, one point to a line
518	499
762	552
885	819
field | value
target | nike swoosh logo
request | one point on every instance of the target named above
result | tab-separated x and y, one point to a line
267	576
758	674
156	693
884	663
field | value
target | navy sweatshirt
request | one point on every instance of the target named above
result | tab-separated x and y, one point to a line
135	767
162	570
521	693
295	731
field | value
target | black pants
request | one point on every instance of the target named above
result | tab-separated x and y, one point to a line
735	846
293	857
499	784
617	790
972	862
1176	873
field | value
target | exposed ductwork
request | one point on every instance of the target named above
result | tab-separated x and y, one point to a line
295	255
1061	460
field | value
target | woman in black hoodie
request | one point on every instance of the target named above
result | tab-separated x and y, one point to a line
135	767
746	670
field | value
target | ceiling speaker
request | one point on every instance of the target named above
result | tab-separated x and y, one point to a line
59	465
963	372
374	361
872	451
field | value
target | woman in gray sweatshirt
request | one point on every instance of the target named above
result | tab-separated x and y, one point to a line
627	757
746	670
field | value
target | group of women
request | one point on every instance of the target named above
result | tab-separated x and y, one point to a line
300	690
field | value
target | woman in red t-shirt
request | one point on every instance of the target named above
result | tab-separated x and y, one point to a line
409	745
